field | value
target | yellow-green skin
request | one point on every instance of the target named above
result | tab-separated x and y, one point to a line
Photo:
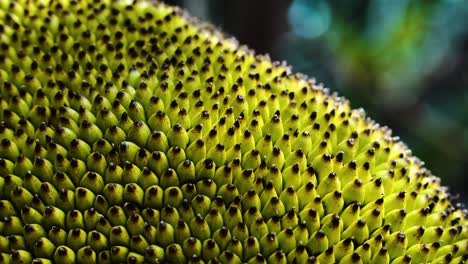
130	132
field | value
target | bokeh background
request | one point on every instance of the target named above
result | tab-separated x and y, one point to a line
404	61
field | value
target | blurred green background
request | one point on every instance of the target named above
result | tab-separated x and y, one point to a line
405	62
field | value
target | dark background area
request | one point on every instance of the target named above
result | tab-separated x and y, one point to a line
405	62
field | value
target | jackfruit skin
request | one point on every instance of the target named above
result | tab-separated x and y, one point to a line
133	133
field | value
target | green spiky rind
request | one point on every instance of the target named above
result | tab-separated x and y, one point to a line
140	134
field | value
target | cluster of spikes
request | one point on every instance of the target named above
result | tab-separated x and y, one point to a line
132	133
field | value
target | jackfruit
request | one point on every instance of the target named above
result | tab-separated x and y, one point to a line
133	133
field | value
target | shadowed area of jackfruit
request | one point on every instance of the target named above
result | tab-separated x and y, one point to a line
131	133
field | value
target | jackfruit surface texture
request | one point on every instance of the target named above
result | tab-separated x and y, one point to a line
133	133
